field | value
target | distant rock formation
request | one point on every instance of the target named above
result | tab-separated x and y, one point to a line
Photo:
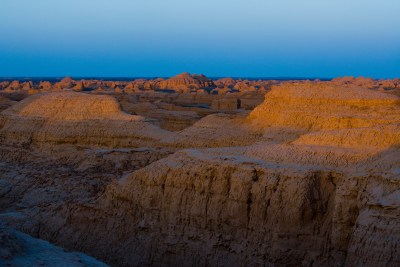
185	82
13	86
45	85
225	82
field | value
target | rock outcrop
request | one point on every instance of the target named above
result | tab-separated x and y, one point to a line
309	178
324	106
274	202
185	82
76	118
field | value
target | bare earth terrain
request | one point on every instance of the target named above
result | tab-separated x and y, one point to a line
190	171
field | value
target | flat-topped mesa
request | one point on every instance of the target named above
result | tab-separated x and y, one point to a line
76	118
69	106
325	106
185	81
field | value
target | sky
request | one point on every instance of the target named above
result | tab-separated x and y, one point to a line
237	38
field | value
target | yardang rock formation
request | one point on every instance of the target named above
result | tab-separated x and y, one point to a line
310	177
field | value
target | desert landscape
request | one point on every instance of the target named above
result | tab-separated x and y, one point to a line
199	133
198	171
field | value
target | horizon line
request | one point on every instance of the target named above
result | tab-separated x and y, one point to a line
211	77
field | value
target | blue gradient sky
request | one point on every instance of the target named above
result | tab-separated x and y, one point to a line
247	38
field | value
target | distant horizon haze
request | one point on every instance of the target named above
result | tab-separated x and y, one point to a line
220	38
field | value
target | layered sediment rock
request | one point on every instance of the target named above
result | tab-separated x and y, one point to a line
185	82
274	203
310	178
324	106
76	118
